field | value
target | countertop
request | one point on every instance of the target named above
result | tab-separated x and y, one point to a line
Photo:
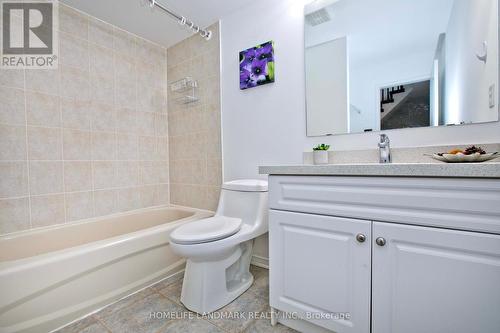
454	170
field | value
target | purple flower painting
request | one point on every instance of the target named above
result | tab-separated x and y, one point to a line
257	66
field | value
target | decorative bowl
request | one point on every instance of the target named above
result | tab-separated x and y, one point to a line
462	158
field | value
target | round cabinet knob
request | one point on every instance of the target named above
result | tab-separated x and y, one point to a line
380	241
360	238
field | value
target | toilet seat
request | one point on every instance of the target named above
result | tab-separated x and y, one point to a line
206	230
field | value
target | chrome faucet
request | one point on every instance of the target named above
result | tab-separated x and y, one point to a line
385	149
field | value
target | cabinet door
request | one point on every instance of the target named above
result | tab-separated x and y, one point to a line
435	280
318	267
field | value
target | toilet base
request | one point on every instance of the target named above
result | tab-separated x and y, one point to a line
211	285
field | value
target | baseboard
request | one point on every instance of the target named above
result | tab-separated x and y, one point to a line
260	261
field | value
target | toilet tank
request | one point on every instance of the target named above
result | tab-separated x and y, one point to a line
245	199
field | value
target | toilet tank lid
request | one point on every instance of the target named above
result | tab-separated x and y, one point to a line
246	185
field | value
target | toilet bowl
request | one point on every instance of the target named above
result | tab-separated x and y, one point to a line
218	249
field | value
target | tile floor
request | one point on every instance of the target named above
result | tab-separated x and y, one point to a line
133	314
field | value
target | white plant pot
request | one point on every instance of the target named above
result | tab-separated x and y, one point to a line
320	156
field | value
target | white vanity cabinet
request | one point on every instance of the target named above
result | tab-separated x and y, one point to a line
400	255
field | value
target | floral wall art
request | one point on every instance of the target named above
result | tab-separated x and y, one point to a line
257	65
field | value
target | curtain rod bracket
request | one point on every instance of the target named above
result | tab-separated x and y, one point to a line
206	34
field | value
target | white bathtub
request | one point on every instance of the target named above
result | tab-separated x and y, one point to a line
52	276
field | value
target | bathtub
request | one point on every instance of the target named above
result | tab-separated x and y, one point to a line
52	276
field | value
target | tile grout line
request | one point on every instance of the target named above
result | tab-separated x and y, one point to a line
30	215
97	319
182	305
66	218
91	121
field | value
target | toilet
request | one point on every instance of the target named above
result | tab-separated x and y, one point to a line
219	249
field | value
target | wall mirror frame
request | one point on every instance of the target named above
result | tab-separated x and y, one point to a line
377	65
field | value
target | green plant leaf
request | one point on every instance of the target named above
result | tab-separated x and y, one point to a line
270	70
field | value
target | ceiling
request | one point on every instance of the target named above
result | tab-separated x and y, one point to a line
137	17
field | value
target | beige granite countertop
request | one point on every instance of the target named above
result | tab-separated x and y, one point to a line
455	170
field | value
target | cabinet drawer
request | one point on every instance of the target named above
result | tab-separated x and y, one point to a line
464	204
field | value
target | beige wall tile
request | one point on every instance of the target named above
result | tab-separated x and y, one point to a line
161	125
105	202
178	53
12	112
101	61
46	177
146	123
76	145
12	78
14	215
79	206
103	174
126	121
102	89
43	80
162	149
148	196
103	146
194	130
125	94
214	171
12	143
127	146
103	117
163	170
126	174
150	52
196	196
128	199
75	114
150	99
147	147
125	69
75	83
43	109
163	194
148	174
100	32
212	200
77	176
177	194
92	143
44	143
14	181
73	51
124	43
47	210
73	22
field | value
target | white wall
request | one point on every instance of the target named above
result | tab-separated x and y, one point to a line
267	125
467	78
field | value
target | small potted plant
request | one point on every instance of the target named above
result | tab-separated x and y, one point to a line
320	154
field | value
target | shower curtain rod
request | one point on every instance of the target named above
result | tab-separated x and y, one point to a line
207	34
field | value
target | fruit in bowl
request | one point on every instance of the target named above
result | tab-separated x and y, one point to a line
468	151
469	154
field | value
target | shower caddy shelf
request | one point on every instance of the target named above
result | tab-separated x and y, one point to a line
186	88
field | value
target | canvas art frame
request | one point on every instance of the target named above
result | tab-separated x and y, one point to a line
257	65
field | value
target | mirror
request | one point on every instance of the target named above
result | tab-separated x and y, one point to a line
376	65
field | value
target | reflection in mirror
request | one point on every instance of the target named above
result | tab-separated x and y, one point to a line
375	65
